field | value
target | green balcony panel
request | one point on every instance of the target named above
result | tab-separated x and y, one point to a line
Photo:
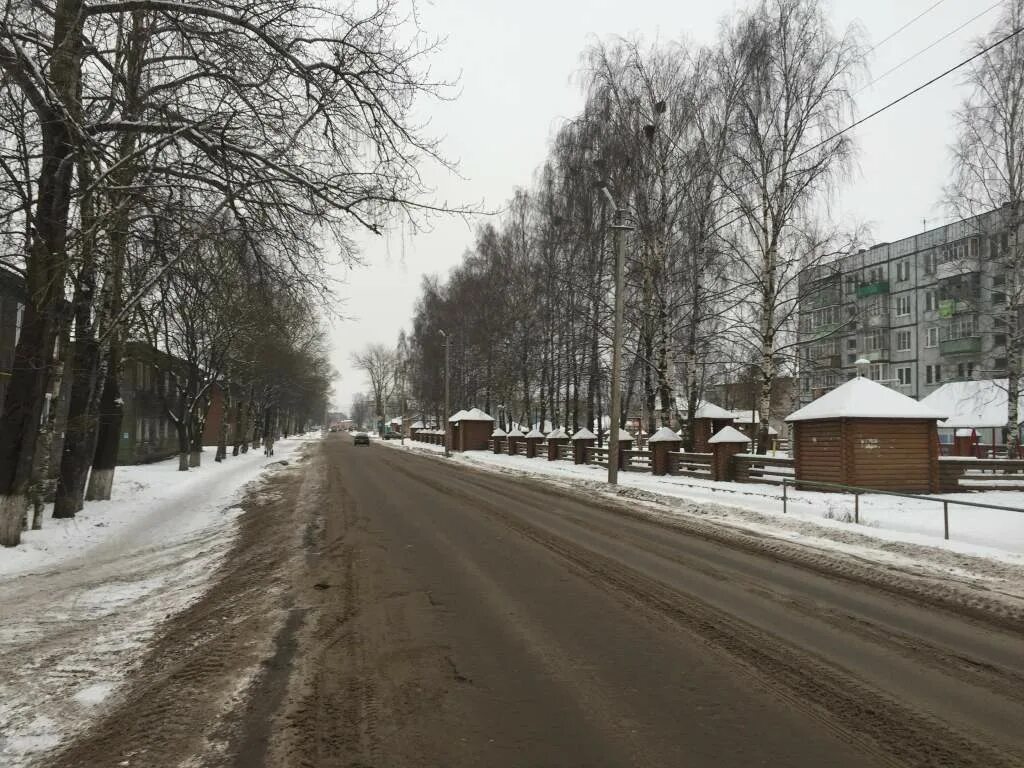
872	289
966	345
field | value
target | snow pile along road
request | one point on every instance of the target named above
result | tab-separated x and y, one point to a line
81	598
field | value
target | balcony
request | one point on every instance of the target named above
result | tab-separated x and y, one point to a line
955	267
872	289
822	331
880	320
968	345
877	356
828	361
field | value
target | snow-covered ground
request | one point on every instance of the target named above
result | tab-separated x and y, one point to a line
81	598
984	543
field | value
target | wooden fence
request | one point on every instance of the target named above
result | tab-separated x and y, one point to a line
689	464
959	473
762	469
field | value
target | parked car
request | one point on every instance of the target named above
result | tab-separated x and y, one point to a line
392	435
361	438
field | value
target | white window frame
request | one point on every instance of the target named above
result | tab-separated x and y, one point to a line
902	306
904	375
931	338
908	336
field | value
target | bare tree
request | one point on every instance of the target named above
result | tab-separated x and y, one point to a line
379	364
793	88
988	173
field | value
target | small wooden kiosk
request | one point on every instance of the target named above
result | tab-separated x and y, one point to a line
533	439
470	430
708	419
515	441
865	434
556	437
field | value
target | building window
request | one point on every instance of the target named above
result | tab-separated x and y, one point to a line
930	304
965	370
1001	365
998	297
903	376
851	358
902	305
929	262
902	341
851	344
999	340
879	371
932	337
902	271
932	374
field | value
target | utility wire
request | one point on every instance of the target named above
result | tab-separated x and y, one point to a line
930	8
880	110
929	47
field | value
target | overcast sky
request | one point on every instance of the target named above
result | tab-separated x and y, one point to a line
516	62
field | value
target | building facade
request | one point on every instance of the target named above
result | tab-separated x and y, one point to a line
922	311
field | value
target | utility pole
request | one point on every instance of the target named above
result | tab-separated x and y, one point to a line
447	430
619	228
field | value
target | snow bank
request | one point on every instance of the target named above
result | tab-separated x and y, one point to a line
81	598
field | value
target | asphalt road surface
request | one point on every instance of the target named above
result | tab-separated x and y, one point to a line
393	609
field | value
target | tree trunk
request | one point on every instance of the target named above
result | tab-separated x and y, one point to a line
108	436
182	427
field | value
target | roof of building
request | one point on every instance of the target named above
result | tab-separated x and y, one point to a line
728	435
862	398
516	432
416	425
706	410
975	403
557	434
584	434
535	433
473	414
624	435
499	432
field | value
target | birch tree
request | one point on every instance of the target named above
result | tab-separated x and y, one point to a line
988	173
793	86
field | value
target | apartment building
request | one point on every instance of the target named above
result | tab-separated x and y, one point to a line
924	310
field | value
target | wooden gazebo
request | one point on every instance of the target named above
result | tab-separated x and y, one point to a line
708	419
470	430
865	434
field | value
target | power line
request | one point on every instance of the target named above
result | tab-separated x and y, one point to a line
929	9
880	110
929	47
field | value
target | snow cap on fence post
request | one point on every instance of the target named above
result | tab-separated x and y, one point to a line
580	442
663	442
725	444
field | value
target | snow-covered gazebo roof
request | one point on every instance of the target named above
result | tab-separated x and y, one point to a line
515	432
706	410
416	425
498	433
624	435
584	434
473	414
534	434
861	398
557	434
973	404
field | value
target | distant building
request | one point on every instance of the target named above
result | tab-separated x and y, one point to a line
922	311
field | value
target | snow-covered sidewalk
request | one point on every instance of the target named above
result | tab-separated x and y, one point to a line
984	544
81	598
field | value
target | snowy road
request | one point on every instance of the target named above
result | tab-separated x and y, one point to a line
392	609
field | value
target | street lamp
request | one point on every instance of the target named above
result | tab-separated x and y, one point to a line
618	227
447	431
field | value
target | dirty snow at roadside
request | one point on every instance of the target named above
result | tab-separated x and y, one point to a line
985	544
81	598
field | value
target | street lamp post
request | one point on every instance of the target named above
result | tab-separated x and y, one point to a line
619	228
447	430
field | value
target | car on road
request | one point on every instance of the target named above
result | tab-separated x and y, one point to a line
392	435
361	438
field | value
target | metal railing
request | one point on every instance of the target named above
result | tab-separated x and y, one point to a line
857	491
